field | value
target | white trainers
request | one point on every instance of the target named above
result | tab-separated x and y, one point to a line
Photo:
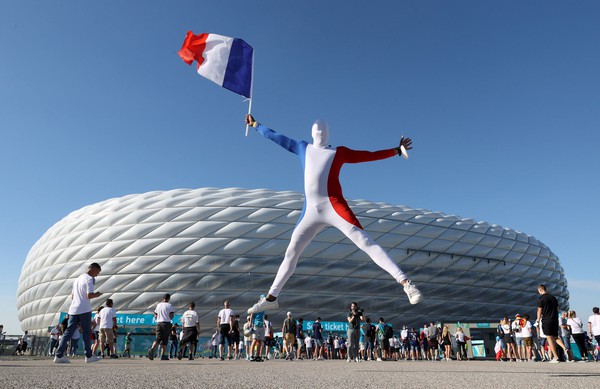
92	359
555	360
62	359
414	296
263	305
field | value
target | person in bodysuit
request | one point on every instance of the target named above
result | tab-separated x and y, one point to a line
324	205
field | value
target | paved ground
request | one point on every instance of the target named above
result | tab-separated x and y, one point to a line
27	372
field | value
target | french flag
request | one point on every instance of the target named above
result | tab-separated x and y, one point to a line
223	60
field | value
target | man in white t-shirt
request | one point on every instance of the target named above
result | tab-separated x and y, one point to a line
191	329
80	312
225	327
163	314
594	324
108	320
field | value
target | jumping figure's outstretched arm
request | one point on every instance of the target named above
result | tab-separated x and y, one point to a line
356	156
289	144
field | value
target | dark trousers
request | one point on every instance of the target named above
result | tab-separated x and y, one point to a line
580	342
462	350
85	319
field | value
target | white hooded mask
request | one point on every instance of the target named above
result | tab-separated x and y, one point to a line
320	134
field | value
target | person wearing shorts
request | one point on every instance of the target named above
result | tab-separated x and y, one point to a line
289	335
527	338
318	336
432	341
509	340
248	337
547	314
225	326
163	314
258	335
191	329
384	342
108	320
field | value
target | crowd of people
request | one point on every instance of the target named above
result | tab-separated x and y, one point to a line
548	338
518	340
521	340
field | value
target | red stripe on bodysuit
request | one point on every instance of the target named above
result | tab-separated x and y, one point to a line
334	188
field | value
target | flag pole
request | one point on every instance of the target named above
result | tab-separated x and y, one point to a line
249	112
251	90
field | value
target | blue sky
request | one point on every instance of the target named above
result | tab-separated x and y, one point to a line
500	98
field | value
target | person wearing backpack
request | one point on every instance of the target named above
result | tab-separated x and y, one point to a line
289	336
384	343
369	330
432	341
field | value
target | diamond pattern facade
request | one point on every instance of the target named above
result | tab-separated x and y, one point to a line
207	245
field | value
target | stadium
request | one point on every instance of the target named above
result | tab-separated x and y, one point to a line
207	245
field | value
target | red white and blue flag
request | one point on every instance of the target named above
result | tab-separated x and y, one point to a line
223	60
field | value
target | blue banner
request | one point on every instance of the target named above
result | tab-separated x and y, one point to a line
134	320
328	326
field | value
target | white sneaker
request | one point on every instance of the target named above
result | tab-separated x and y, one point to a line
379	359
263	305
62	359
414	296
554	361
92	359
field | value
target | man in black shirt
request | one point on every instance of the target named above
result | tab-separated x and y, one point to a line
354	318
547	317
